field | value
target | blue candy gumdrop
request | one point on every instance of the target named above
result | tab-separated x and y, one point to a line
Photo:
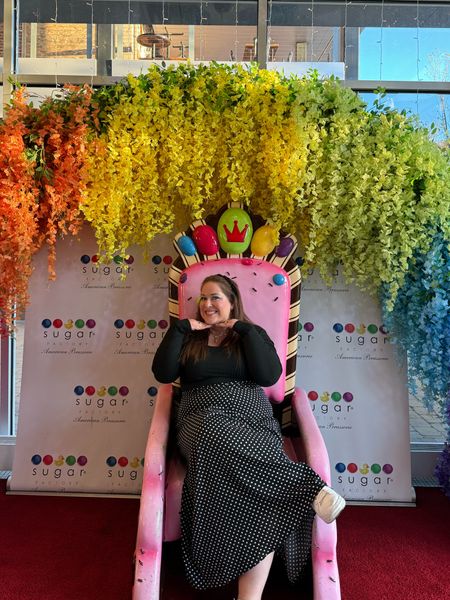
186	245
279	279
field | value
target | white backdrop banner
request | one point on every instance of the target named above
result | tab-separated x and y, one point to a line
88	391
357	390
87	387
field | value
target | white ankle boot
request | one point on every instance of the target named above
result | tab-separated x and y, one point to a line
328	504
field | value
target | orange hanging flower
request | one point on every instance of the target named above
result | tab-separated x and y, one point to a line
57	138
18	205
42	178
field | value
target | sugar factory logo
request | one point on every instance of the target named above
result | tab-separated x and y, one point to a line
99	275
106	404
59	466
114	274
331	402
161	264
101	398
68	328
123	467
119	265
139	329
361	334
68	336
305	331
365	474
137	336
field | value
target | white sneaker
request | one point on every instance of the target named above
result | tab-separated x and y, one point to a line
328	504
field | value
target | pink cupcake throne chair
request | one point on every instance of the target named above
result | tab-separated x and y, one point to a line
269	281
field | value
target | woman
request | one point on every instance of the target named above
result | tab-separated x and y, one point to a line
242	497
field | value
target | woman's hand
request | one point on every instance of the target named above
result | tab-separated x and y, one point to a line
198	325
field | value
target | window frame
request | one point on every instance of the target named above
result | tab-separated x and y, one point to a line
423	455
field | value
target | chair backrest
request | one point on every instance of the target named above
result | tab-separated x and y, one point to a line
265	302
269	285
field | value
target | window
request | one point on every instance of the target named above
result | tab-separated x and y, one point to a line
430	109
403	45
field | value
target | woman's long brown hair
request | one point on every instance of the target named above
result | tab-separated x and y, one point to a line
196	345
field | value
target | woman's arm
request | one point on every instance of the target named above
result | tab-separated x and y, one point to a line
166	362
261	358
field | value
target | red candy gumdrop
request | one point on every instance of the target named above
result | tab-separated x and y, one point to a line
206	240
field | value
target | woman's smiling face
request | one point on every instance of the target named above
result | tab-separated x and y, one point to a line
213	304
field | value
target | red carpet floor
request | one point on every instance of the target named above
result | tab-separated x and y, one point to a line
55	548
396	553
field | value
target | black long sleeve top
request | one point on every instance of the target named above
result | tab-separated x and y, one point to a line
260	362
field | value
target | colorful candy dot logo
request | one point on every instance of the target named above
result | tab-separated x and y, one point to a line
123	461
111	390
308	326
313	395
140	324
68	324
49	459
85	259
360	329
157	260
337	404
365	468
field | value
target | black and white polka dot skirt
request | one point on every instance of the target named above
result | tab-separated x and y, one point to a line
242	497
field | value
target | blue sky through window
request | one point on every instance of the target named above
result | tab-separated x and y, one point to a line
431	108
405	54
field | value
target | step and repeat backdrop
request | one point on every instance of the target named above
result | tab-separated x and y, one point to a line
87	388
357	389
88	392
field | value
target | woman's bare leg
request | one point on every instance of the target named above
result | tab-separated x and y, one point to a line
251	583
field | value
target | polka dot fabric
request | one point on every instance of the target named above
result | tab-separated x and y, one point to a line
242	497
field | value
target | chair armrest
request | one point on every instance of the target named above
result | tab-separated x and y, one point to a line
316	454
175	474
150	524
325	568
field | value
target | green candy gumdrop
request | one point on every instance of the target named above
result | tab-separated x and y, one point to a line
235	231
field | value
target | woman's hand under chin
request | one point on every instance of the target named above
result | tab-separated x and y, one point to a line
198	325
